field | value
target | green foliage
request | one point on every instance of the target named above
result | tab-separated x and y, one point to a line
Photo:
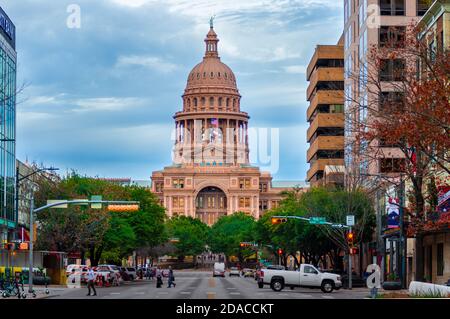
191	233
101	234
315	241
229	231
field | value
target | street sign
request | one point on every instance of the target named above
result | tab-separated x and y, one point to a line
350	220
317	220
51	201
96	205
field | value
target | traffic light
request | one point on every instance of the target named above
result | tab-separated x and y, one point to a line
278	220
245	244
10	246
123	208
280	251
350	238
354	251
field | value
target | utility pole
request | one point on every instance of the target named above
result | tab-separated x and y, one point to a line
350	266
30	246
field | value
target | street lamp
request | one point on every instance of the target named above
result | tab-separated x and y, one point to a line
20	179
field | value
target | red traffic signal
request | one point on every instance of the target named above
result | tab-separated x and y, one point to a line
277	221
354	251
10	246
280	251
350	238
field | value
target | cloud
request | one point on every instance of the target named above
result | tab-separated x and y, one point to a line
151	62
105	104
295	69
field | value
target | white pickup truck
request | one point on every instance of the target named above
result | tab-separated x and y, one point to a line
306	276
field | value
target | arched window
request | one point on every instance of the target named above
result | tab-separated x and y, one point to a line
228	101
212	74
203	101
204	74
198	76
211	101
218	74
188	103
220	102
195	102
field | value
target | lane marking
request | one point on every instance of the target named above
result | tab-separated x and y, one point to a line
328	297
115	293
140	293
235	293
185	292
211	283
163	293
231	288
211	294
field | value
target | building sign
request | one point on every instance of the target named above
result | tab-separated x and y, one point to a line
444	199
393	213
8	28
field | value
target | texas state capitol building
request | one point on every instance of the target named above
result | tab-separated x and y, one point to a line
211	175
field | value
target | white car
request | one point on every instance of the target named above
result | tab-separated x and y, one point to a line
234	271
219	270
78	269
306	276
104	270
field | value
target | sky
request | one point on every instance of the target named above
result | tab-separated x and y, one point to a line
100	98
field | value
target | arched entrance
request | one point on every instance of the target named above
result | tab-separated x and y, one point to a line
210	205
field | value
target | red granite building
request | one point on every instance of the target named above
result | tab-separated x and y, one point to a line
211	175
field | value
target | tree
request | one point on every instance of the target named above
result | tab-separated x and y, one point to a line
229	231
408	87
191	235
335	205
98	232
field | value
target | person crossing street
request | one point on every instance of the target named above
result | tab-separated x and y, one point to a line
171	280
91	282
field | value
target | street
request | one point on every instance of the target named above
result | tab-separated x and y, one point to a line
201	285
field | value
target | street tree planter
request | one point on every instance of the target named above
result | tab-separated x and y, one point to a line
392	285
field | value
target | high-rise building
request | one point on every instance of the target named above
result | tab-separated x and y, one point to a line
376	165
8	58
211	175
325	115
367	24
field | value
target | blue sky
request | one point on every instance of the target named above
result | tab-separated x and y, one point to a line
100	99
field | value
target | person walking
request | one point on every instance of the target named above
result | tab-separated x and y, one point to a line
171	278
91	282
159	281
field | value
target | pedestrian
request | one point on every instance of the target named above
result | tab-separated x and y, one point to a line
152	273
91	282
148	273
171	278
159	281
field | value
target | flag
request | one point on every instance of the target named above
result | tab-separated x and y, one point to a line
215	122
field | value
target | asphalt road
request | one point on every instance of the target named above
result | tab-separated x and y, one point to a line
201	285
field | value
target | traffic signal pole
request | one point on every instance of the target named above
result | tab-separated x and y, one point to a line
350	267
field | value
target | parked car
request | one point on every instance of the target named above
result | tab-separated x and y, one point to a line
219	270
306	276
128	273
113	271
234	271
247	272
77	268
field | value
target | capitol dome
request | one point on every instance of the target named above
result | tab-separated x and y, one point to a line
211	83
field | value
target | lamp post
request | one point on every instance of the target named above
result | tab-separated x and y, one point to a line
62	202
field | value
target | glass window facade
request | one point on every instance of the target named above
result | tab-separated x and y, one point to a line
7	131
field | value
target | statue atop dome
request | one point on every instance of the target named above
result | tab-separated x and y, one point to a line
211	22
